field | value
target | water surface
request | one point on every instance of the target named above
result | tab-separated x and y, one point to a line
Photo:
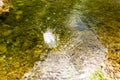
21	39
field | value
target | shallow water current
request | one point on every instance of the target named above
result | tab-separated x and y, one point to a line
85	35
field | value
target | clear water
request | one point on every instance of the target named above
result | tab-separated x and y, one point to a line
21	38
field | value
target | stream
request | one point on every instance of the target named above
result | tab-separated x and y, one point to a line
60	40
82	55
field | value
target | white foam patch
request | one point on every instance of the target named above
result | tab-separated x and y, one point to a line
50	39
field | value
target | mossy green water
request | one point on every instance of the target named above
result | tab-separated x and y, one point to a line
21	39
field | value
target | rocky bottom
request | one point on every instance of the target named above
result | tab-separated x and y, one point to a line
83	56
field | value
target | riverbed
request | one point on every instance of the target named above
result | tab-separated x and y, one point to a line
87	33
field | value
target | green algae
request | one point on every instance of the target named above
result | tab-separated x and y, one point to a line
99	75
21	39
